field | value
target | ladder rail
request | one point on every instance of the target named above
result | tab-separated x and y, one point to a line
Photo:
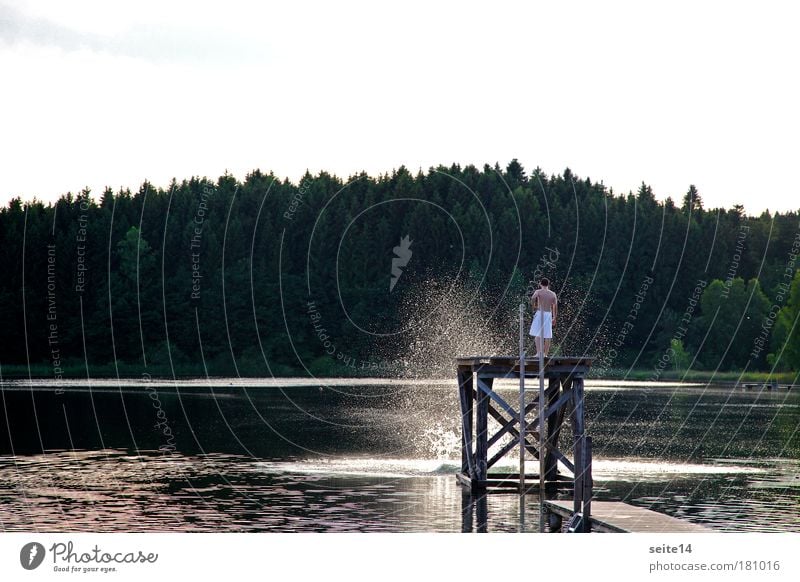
542	453
522	427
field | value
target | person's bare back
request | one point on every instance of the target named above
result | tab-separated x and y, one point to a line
545	300
545	306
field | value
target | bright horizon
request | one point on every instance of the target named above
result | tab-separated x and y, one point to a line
100	95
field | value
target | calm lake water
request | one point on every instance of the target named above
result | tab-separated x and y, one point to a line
369	455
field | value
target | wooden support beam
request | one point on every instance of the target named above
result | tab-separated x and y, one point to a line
577	499
578	432
510	446
557	420
482	513
466	395
551	436
561	457
587	482
467	512
507	425
485	386
560	403
482	428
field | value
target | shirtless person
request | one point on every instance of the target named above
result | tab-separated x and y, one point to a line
545	305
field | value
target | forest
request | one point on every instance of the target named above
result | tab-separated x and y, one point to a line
373	275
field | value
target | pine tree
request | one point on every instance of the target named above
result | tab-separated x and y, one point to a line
692	202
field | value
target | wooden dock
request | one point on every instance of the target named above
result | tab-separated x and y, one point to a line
618	517
550	407
479	401
508	366
538	436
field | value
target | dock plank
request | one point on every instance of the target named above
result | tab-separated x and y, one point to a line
508	366
514	360
616	516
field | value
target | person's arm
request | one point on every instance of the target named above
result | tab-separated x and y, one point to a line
534	299
555	310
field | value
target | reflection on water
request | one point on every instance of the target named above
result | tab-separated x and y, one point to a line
111	490
370	456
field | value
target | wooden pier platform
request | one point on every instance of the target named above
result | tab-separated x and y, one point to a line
619	517
563	397
534	426
508	366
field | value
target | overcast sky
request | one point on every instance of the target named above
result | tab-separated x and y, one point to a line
97	93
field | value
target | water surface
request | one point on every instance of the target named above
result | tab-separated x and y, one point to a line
368	455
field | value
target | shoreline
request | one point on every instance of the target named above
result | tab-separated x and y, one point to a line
160	377
18	372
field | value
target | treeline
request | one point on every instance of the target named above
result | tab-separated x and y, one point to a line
266	277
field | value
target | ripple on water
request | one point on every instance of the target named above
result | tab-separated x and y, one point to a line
112	490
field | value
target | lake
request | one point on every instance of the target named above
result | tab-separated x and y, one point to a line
368	455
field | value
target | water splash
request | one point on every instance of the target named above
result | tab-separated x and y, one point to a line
442	323
439	441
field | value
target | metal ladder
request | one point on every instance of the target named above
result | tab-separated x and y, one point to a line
523	432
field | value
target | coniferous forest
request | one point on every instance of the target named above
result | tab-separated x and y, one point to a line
357	276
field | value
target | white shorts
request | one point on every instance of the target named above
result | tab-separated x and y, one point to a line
536	325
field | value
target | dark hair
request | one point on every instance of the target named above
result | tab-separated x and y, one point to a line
544	282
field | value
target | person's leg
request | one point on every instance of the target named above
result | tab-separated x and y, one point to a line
536	332
547	332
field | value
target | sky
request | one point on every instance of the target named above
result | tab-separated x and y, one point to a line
96	93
